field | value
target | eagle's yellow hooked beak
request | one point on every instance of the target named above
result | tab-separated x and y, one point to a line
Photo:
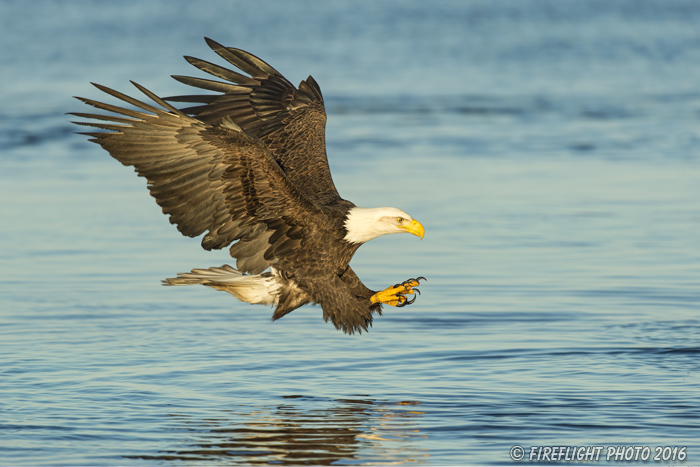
416	228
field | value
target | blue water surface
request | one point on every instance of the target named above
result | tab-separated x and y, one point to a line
551	149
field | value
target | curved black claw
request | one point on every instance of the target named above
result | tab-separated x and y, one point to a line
409	281
403	301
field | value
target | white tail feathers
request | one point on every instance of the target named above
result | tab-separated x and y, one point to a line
251	288
201	276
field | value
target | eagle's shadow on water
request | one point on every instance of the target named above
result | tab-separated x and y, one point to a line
303	430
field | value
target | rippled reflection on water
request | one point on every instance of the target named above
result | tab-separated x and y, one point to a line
317	431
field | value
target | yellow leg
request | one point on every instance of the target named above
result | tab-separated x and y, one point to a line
396	294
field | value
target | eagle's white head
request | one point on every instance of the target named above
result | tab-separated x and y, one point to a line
364	224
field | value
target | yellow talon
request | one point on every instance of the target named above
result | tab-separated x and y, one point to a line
396	294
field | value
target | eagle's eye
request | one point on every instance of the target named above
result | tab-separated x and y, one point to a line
400	220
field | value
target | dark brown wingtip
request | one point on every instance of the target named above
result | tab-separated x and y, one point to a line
213	45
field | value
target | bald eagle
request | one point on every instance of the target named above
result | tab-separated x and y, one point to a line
248	166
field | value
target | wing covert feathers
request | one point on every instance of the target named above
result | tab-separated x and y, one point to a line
289	121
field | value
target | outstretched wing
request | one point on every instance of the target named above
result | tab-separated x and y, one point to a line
290	121
208	178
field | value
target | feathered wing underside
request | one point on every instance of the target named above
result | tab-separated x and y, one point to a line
290	121
207	178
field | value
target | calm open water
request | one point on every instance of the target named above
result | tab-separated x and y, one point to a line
551	149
